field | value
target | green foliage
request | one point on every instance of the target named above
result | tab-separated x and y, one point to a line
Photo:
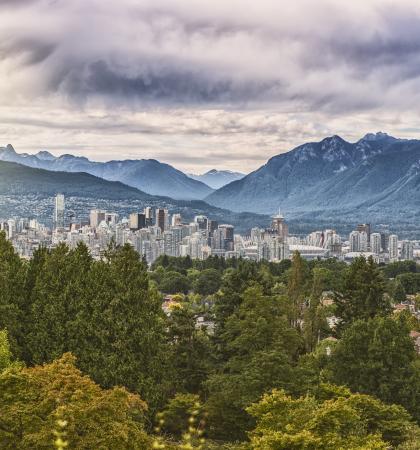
5	353
363	292
177	412
12	295
208	282
399	294
377	357
396	268
343	420
174	283
410	282
31	399
261	347
190	350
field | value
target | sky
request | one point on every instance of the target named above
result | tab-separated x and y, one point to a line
201	84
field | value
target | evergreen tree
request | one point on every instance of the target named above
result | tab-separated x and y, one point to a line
261	349
122	328
12	295
363	293
190	350
296	288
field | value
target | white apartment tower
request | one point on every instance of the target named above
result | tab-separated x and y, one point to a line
393	247
59	211
375	243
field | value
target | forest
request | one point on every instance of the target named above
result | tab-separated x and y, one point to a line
206	354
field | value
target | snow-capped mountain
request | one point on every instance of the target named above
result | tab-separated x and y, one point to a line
217	178
376	176
148	175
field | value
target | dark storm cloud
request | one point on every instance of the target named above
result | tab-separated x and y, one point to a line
319	56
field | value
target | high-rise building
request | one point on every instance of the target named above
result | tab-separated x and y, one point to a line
96	216
363	241
393	247
279	226
407	250
227	233
176	220
354	240
162	218
59	206
385	240
137	221
364	227
150	217
202	222
375	243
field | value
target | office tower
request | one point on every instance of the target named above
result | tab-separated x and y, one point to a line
354	240
96	216
279	226
150	217
407	250
162	218
363	241
227	236
111	218
176	220
137	221
212	225
385	240
364	227
59	211
393	247
202	222
375	243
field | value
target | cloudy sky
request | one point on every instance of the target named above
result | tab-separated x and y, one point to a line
202	84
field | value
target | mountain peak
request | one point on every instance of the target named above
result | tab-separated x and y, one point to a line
9	148
380	135
44	155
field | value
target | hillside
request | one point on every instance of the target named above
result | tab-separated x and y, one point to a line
148	175
28	192
377	177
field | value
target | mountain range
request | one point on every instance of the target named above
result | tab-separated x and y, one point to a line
217	178
28	192
148	175
376	178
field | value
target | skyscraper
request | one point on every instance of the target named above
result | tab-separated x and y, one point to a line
407	250
162	218
137	221
375	243
393	247
59	211
279	226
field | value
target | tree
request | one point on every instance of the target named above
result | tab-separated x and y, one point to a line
342	420
297	288
208	282
12	294
122	328
315	326
57	298
174	283
377	357
399	295
31	399
190	350
363	293
410	282
177	412
5	353
261	348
